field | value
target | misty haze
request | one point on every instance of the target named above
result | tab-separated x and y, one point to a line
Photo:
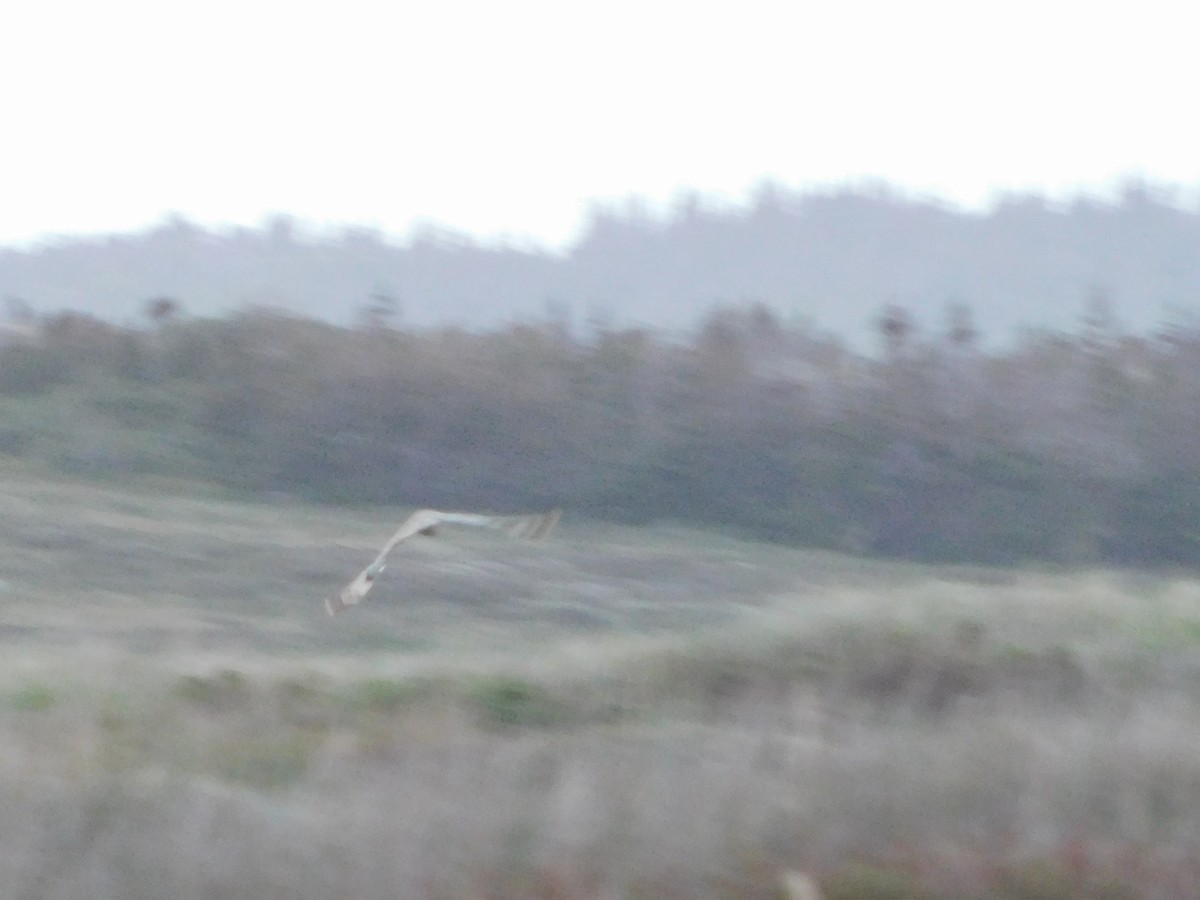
832	259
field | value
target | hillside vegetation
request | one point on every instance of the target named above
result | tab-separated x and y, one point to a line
623	712
1067	447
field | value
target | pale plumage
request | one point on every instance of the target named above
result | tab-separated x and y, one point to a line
533	527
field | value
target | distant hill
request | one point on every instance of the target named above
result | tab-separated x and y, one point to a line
834	258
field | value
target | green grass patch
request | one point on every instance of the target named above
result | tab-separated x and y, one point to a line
387	695
503	702
33	698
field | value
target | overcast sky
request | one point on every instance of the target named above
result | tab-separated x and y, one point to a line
511	118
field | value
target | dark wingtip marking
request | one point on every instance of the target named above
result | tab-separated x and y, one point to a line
546	524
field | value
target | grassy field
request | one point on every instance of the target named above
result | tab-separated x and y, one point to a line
614	713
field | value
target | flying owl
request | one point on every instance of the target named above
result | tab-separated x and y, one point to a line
534	526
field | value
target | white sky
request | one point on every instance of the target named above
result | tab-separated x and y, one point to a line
511	117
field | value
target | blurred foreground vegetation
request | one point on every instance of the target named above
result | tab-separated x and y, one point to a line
1066	447
617	712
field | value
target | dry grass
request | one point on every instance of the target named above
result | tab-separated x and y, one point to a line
617	714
